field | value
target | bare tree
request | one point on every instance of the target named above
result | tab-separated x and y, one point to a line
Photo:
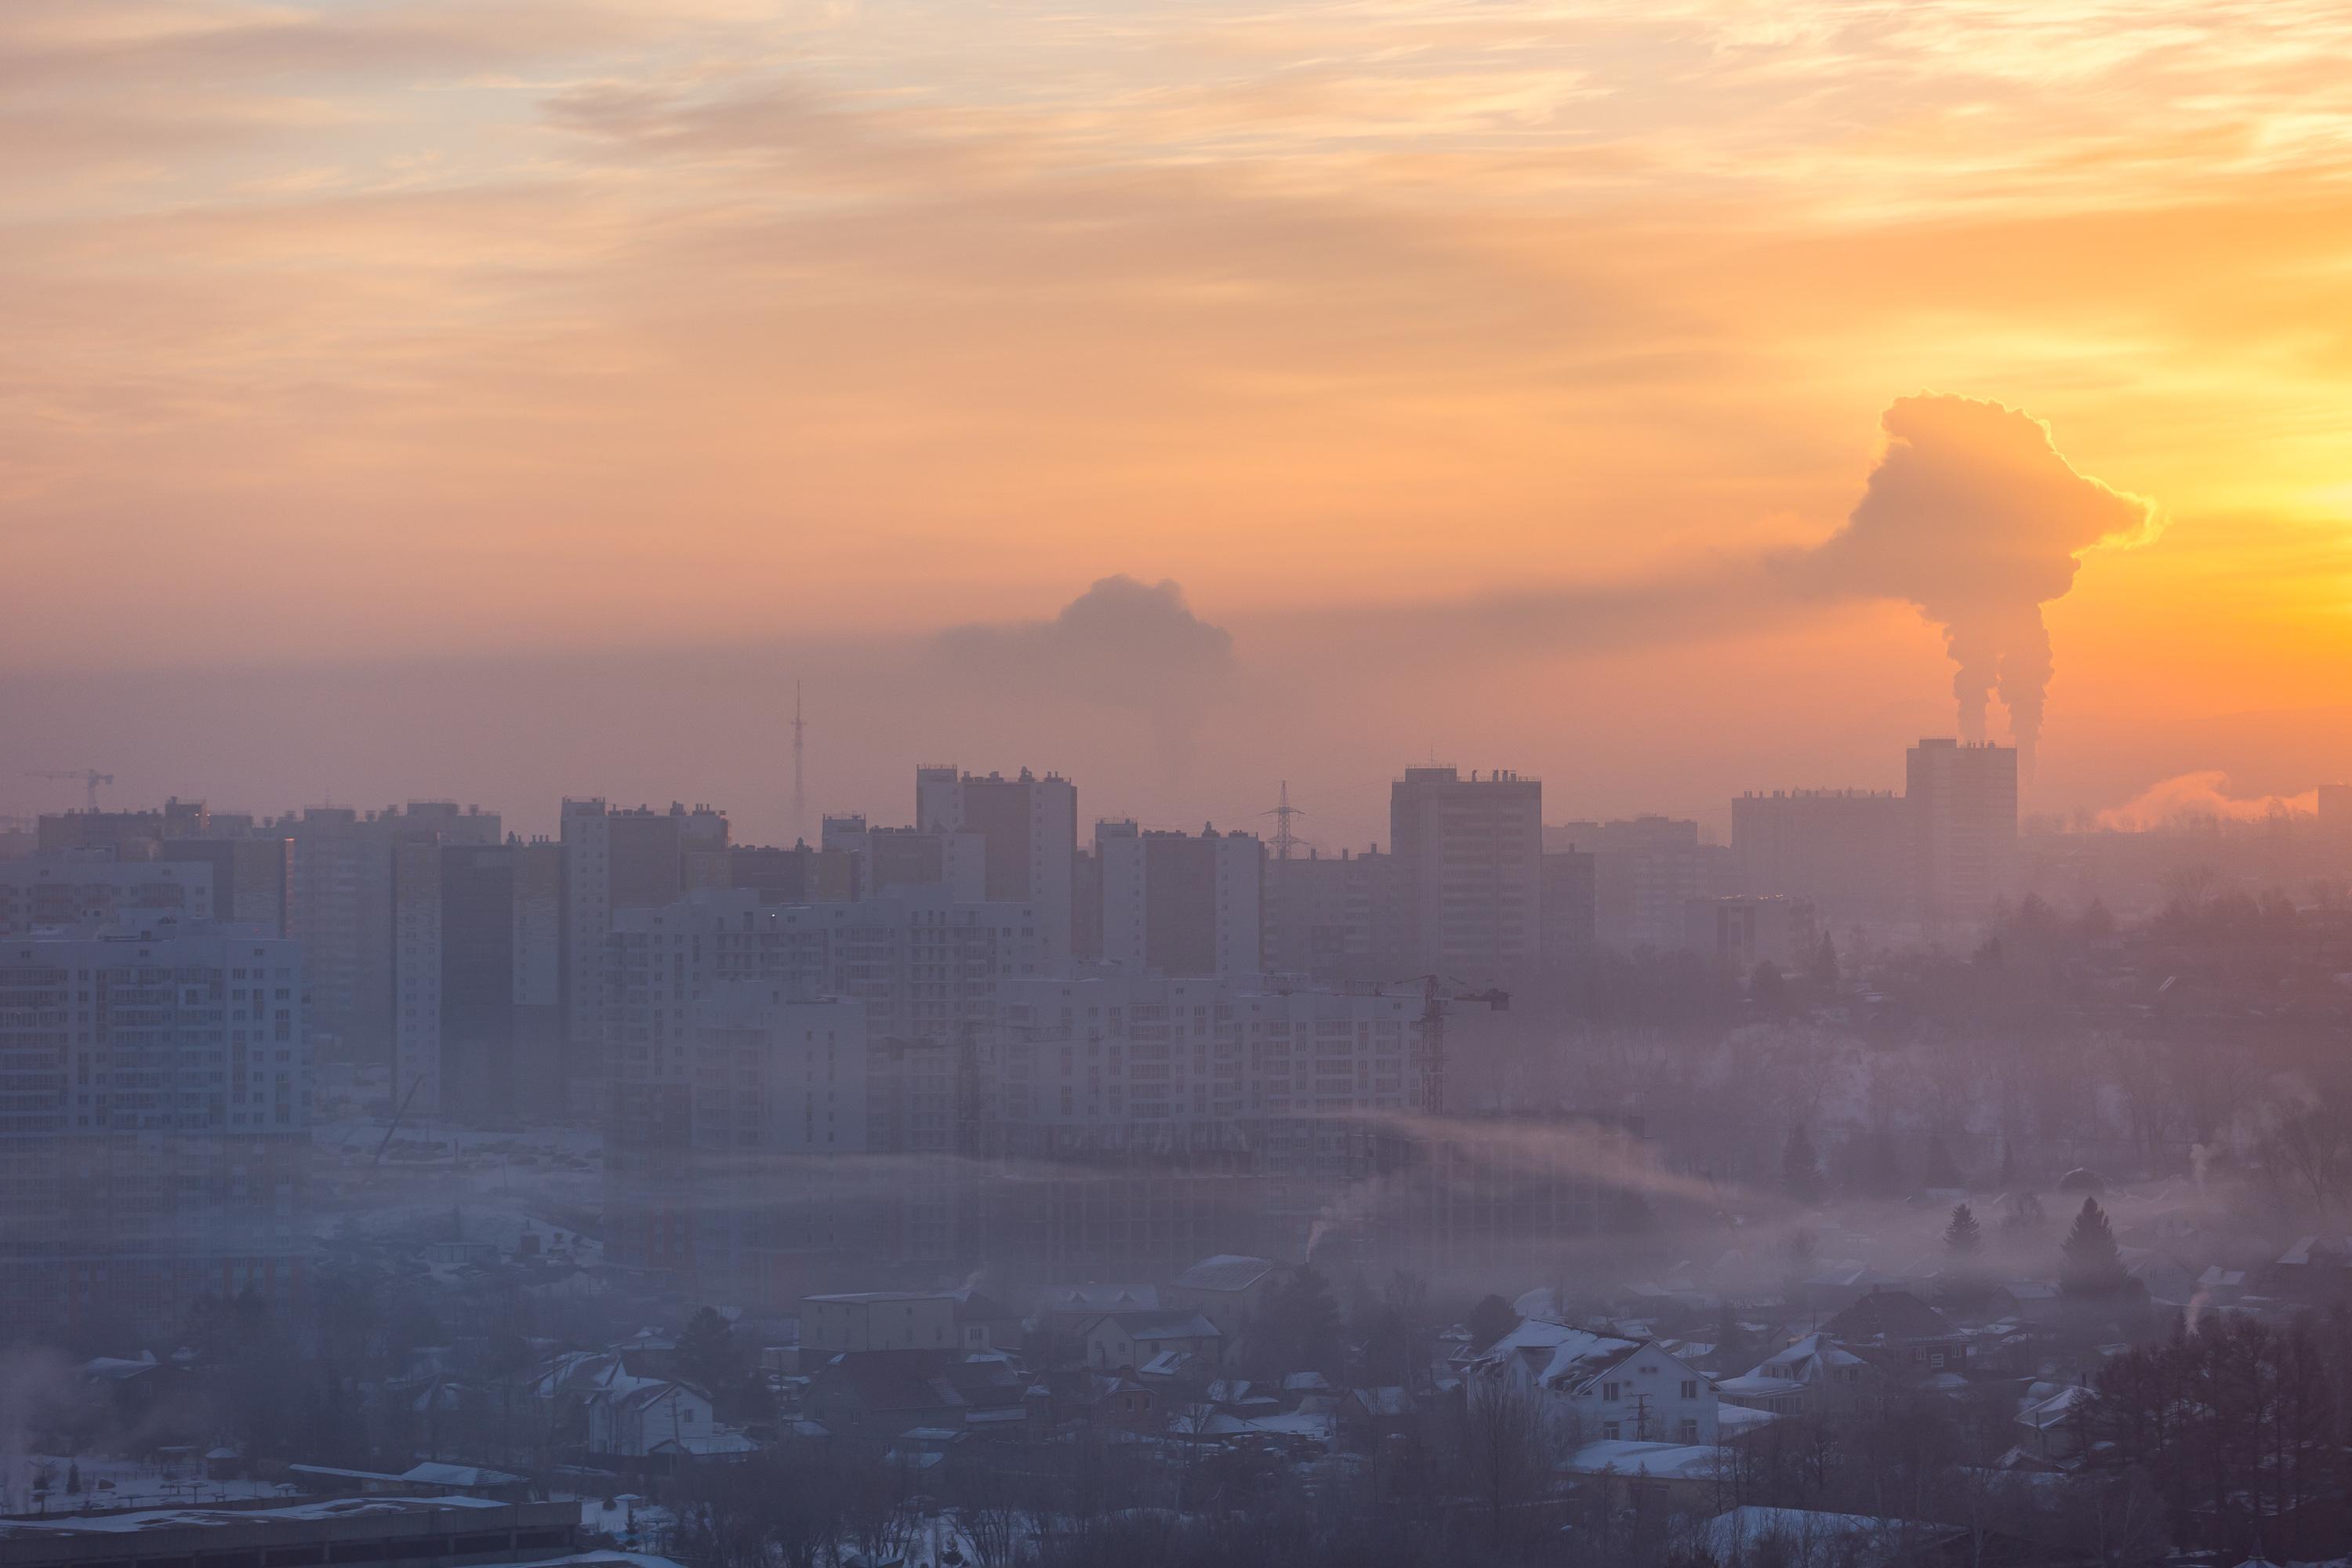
1507	1450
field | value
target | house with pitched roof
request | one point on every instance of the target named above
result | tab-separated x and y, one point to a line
1598	1386
1900	1333
1814	1373
1228	1289
1127	1342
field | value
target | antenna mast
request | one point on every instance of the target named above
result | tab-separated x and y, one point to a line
800	784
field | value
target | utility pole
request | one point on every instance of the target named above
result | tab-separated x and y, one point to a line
800	782
1284	840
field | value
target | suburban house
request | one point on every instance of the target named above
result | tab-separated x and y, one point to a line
985	1324
1072	1305
1228	1289
1123	1341
1081	1395
638	1418
1604	1387
1901	1333
887	1393
879	1320
595	1401
2053	1430
1814	1373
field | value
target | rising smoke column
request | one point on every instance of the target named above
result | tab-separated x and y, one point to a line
1972	516
1122	644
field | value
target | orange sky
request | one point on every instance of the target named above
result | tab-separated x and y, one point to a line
357	330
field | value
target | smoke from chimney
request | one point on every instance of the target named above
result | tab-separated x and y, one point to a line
1974	517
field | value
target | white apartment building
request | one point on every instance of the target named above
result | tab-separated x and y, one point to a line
922	971
779	1116
910	859
1029	826
60	891
1130	1050
154	1105
1182	904
617	858
1471	853
1962	798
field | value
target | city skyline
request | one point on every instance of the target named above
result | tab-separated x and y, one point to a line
1436	351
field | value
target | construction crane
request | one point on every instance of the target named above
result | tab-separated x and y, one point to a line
414	1084
1437	995
89	778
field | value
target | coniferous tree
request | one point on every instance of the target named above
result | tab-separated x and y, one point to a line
1301	1330
2092	1267
1824	971
1489	1320
708	1356
1963	1238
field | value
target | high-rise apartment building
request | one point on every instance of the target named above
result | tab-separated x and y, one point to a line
342	908
251	868
477	979
1029	827
802	874
153	1122
1962	798
910	859
127	834
1570	907
1845	851
1736	932
618	859
1473	867
778	1121
1337	917
1182	904
1471	854
1645	871
922	970
57	891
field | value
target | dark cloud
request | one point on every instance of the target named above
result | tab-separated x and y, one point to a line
1122	643
1973	516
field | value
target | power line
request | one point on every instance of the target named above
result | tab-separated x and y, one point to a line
1284	840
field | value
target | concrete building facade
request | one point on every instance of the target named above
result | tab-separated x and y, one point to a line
155	1118
1471	854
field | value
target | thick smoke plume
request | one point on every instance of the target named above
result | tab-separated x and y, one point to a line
1973	516
2202	797
1121	644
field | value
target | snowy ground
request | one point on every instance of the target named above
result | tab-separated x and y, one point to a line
121	1483
436	1180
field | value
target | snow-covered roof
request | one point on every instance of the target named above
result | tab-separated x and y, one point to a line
1667	1461
1225	1271
1860	1537
1106	1299
439	1474
1159	1325
1391	1402
1735	1420
1557	1355
1806	1361
2057	1409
